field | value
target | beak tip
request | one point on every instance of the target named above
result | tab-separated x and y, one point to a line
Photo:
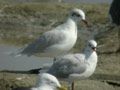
85	21
94	48
61	88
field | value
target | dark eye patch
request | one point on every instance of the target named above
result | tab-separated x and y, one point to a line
75	14
78	15
89	45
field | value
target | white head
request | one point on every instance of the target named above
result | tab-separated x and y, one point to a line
78	14
48	80
91	45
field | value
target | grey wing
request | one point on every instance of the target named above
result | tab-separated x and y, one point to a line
42	43
67	65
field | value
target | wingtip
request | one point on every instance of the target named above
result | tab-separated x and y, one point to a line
13	54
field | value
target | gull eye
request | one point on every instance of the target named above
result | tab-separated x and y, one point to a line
51	82
73	14
89	45
78	15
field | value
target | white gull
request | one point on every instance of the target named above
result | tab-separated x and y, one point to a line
78	66
56	41
45	81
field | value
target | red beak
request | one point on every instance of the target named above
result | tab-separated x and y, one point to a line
85	21
94	48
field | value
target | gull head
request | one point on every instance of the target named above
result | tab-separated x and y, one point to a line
77	15
91	45
48	80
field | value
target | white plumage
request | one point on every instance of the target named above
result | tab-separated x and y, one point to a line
56	41
47	81
76	66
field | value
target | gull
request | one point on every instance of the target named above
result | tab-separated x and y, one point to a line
77	66
45	81
56	41
114	15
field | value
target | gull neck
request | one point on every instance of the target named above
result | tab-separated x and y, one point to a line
70	20
88	54
71	24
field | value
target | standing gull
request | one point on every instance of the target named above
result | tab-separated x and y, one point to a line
45	81
114	15
57	41
76	66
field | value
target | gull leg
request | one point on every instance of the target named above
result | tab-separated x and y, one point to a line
72	86
54	59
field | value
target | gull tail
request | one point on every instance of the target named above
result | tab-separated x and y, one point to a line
19	52
44	68
15	53
35	71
